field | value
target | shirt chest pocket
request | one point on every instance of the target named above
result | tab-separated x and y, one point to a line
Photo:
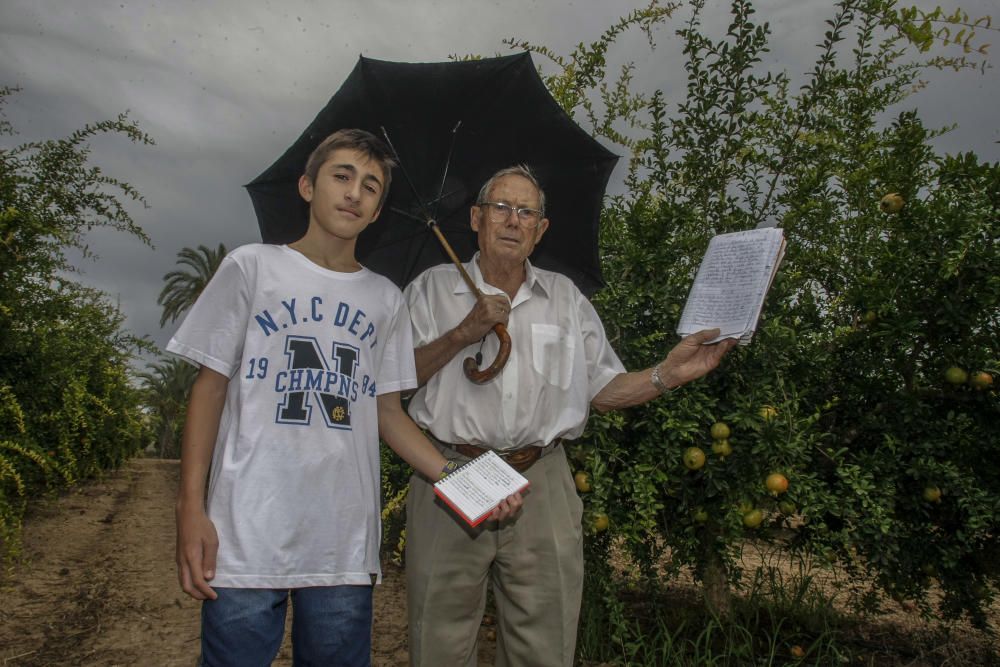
552	351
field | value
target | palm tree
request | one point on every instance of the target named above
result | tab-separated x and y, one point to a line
184	285
165	390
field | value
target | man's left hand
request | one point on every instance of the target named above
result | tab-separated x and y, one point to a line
692	358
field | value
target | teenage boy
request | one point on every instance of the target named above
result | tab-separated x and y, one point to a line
302	353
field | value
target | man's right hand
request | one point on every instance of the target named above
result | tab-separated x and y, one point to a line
197	548
508	508
490	309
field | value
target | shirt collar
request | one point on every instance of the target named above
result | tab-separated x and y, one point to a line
532	281
472	266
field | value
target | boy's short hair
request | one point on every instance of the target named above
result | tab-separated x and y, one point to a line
361	141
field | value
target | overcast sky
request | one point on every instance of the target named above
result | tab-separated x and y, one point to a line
224	87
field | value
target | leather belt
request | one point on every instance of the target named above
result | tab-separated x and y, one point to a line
520	459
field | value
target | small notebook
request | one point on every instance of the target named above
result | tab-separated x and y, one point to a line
475	489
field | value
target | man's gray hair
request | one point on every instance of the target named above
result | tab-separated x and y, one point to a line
521	170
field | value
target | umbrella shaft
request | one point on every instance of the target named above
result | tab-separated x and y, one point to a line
454	258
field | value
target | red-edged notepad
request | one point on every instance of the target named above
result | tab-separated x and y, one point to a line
475	489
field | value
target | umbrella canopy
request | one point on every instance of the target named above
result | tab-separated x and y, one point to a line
453	125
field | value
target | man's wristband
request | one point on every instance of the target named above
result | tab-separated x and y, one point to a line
449	467
657	382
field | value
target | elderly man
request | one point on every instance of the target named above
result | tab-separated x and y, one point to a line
561	365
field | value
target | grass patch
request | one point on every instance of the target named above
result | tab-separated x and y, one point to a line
779	618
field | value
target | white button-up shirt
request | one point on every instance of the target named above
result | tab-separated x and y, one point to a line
560	359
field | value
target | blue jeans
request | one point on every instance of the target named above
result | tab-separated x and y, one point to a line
332	625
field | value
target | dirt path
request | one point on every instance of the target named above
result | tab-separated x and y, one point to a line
98	583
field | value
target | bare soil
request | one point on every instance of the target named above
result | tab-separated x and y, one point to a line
97	583
97	586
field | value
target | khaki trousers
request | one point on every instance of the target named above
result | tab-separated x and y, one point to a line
535	562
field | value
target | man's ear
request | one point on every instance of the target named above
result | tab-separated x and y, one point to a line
305	188
543	224
475	213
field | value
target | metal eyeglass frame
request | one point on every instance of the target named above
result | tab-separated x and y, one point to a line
507	210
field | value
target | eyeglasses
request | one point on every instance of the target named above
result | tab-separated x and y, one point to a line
500	212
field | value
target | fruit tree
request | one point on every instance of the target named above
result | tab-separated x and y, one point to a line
888	282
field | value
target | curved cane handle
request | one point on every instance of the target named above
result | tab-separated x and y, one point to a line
481	376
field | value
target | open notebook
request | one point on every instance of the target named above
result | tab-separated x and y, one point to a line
732	281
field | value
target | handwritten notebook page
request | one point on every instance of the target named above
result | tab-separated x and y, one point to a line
729	288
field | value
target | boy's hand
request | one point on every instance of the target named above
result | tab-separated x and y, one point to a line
507	508
197	547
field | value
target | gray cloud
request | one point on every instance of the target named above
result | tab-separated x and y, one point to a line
225	87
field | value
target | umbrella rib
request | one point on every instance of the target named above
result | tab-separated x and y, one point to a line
406	214
431	222
447	162
440	197
429	219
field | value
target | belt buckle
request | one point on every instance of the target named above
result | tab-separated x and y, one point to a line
522	459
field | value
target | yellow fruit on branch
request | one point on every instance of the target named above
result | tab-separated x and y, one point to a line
776	483
694	458
955	375
891	203
768	412
582	480
753	518
722	448
600	522
981	380
720	431
932	494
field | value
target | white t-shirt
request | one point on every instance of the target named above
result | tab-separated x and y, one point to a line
560	359
294	489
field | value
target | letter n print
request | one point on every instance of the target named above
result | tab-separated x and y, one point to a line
326	385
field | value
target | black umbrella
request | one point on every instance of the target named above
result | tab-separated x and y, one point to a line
452	125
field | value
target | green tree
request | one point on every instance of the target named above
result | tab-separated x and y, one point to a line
869	309
166	385
67	405
168	382
183	285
